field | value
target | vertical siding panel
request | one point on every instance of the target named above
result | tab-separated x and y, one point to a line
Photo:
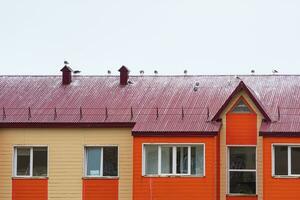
175	188
29	189
278	188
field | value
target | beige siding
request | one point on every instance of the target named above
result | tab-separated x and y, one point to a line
66	155
223	149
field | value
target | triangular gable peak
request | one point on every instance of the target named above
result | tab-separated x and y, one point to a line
242	87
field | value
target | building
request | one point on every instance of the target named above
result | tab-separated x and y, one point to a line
142	137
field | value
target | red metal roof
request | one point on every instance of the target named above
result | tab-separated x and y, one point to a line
153	103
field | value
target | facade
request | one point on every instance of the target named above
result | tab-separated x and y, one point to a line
149	137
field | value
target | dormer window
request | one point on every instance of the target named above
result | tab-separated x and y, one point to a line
241	107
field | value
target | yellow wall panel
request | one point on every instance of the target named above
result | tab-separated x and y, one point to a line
66	157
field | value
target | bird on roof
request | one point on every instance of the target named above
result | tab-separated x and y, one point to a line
252	71
274	71
66	62
185	72
142	72
155	72
77	72
108	72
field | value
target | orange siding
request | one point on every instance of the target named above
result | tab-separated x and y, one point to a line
179	188
104	189
241	129
29	189
278	188
241	198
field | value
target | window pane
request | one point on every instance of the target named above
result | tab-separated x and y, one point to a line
40	161
242	183
295	160
23	161
110	161
93	161
197	160
242	158
281	160
166	160
182	160
151	159
241	107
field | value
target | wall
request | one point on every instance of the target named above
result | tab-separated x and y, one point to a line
278	188
223	147
176	188
66	155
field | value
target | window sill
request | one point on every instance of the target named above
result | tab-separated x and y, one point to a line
30	177
286	177
241	195
172	176
99	177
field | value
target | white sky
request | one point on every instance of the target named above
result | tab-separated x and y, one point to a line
202	36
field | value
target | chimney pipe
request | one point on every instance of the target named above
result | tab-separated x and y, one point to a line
66	75
124	75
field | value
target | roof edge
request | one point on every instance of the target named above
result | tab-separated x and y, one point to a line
68	125
242	86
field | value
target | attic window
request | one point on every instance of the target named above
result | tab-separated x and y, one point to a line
241	107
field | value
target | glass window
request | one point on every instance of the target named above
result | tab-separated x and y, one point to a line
197	160
281	160
286	160
241	107
174	159
23	161
31	161
110	161
166	160
40	161
93	161
295	158
101	161
242	170
151	159
182	160
242	182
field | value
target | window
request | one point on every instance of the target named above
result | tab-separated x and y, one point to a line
242	170
31	161
241	107
286	160
168	159
101	161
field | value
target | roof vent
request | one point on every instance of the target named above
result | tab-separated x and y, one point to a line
124	75
66	74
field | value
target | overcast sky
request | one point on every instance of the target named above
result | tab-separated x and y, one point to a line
202	36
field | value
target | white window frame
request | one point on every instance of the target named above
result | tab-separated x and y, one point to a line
174	146
240	170
289	146
15	161
101	161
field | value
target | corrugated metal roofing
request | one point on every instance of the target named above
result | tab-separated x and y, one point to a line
154	103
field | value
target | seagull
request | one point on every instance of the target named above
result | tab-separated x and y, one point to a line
77	72
274	71
66	62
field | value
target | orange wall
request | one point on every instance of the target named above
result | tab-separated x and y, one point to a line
241	198
278	188
104	189
29	189
179	188
241	128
